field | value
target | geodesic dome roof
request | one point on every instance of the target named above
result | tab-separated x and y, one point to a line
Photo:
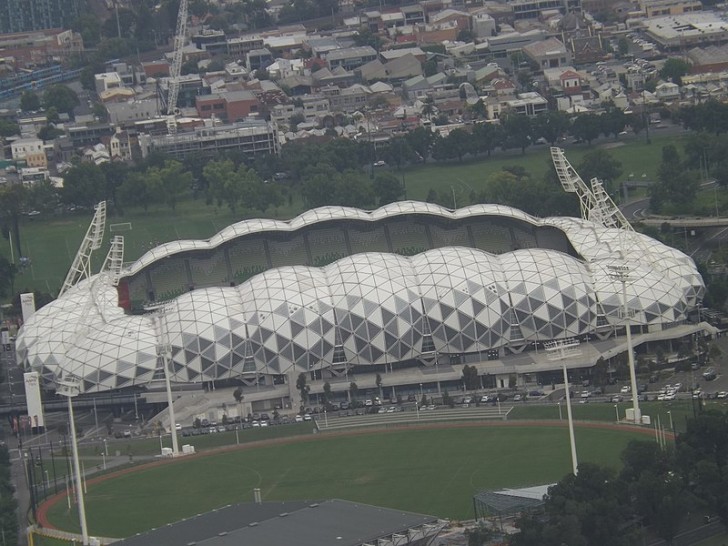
370	308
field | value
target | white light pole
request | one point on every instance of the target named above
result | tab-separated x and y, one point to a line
620	273
159	317
616	412
561	417
561	350
672	426
70	389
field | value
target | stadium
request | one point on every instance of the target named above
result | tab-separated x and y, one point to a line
338	291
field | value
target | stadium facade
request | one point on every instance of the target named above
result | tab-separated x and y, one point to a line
335	288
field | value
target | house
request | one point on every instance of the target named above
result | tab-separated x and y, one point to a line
257	59
30	150
120	146
667	91
531	104
229	107
548	53
107	80
348	99
351	57
483	24
392	54
121	113
419	86
396	70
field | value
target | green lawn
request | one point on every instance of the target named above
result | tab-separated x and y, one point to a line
51	243
430	471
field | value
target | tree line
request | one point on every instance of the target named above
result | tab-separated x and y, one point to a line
655	491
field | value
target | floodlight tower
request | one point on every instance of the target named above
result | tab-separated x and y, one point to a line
159	317
70	389
81	266
561	350
176	69
620	273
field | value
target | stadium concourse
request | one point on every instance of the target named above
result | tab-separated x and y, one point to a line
410	291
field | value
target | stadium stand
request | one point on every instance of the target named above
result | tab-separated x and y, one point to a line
138	291
326	245
288	252
408	238
247	258
549	237
524	237
210	270
371	240
449	235
491	237
169	278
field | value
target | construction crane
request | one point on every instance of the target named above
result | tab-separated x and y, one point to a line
176	68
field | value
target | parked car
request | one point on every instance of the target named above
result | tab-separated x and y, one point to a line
625	389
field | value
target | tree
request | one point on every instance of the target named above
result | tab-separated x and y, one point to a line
302	387
586	127
238	395
136	191
388	188
421	140
674	69
613	121
470	377
8	128
517	131
378	382
675	185
600	164
170	182
48	132
550	126
13	199
84	185
353	390
485	137
29	101
327	393
60	97
7	277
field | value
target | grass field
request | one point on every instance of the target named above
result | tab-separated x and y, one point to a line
433	471
51	243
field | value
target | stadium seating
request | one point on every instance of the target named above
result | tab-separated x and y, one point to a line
408	238
169	278
524	237
209	270
290	252
247	258
449	236
326	245
491	237
372	240
138	291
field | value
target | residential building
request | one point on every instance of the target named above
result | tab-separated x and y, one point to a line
708	59
29	15
419	86
351	57
29	50
532	9
667	91
530	104
120	146
483	24
107	80
506	43
156	69
229	107
548	53
250	138
257	59
349	99
413	14
88	135
122	113
244	44
30	150
657	8
33	175
396	70
213	41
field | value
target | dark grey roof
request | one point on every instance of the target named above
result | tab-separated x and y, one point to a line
203	526
328	523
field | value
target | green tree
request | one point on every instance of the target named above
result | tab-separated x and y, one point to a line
353	390
170	182
600	164
84	185
517	131
470	377
387	188
60	97
29	101
327	394
587	127
551	126
486	137
674	69
421	140
7	277
136	191
8	128
303	387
